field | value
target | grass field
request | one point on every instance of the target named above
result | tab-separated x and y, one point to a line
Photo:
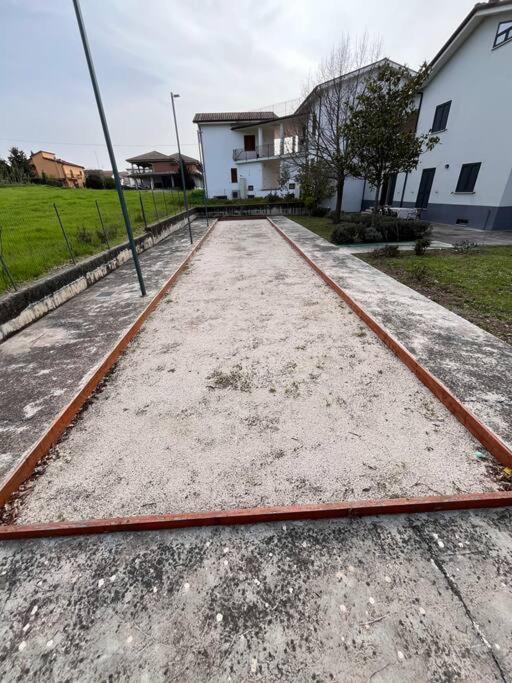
31	239
477	286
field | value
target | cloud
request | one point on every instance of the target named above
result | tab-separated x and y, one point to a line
218	54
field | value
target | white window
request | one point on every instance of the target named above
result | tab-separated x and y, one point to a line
503	34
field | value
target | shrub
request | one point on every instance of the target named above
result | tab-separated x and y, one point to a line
290	197
393	229
83	235
465	247
319	211
421	245
371	235
345	233
387	251
272	197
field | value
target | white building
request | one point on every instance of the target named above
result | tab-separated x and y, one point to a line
243	152
466	179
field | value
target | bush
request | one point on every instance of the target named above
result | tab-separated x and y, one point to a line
372	235
345	233
83	235
392	229
388	251
319	211
272	197
465	247
421	246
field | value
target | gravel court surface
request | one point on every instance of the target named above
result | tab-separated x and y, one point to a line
253	384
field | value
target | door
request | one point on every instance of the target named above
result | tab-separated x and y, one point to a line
427	178
250	143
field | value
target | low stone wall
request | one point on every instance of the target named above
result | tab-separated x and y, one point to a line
267	209
20	308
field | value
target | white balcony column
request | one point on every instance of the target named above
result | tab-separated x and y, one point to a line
260	136
281	139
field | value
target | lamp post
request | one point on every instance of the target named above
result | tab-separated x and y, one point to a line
182	168
108	142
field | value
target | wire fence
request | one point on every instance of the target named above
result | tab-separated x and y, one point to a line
43	228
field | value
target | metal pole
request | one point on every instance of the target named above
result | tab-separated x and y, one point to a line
143	212
97	95
102	224
64	233
205	186
182	168
7	273
154	204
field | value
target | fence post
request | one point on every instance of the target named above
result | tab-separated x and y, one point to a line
143	212
102	224
64	233
7	272
165	202
154	204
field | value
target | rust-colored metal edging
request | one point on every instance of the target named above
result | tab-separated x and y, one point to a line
478	429
25	468
356	508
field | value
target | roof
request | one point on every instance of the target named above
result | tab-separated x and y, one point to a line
276	120
186	159
465	28
55	159
350	74
150	157
230	116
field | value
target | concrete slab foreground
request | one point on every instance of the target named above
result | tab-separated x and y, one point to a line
473	364
43	366
424	598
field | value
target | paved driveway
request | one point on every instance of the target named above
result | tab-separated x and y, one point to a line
456	233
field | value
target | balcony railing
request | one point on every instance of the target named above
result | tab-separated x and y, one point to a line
266	151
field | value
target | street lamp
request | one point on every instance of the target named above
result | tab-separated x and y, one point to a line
182	168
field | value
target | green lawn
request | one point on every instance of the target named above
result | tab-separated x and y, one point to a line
322	227
31	239
477	286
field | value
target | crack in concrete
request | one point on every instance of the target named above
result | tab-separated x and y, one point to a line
437	561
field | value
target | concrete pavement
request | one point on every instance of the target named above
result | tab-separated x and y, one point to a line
418	598
456	233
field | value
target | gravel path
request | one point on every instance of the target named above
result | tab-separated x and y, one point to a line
253	384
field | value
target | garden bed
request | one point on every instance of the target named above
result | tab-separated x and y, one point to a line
476	285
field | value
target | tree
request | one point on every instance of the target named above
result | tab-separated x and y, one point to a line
314	178
21	170
327	108
382	137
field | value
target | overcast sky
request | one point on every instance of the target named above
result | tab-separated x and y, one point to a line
219	55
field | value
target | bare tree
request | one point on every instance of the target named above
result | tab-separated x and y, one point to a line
341	78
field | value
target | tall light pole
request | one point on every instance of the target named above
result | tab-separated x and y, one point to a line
203	166
182	168
108	142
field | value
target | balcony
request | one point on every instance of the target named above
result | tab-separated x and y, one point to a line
270	150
